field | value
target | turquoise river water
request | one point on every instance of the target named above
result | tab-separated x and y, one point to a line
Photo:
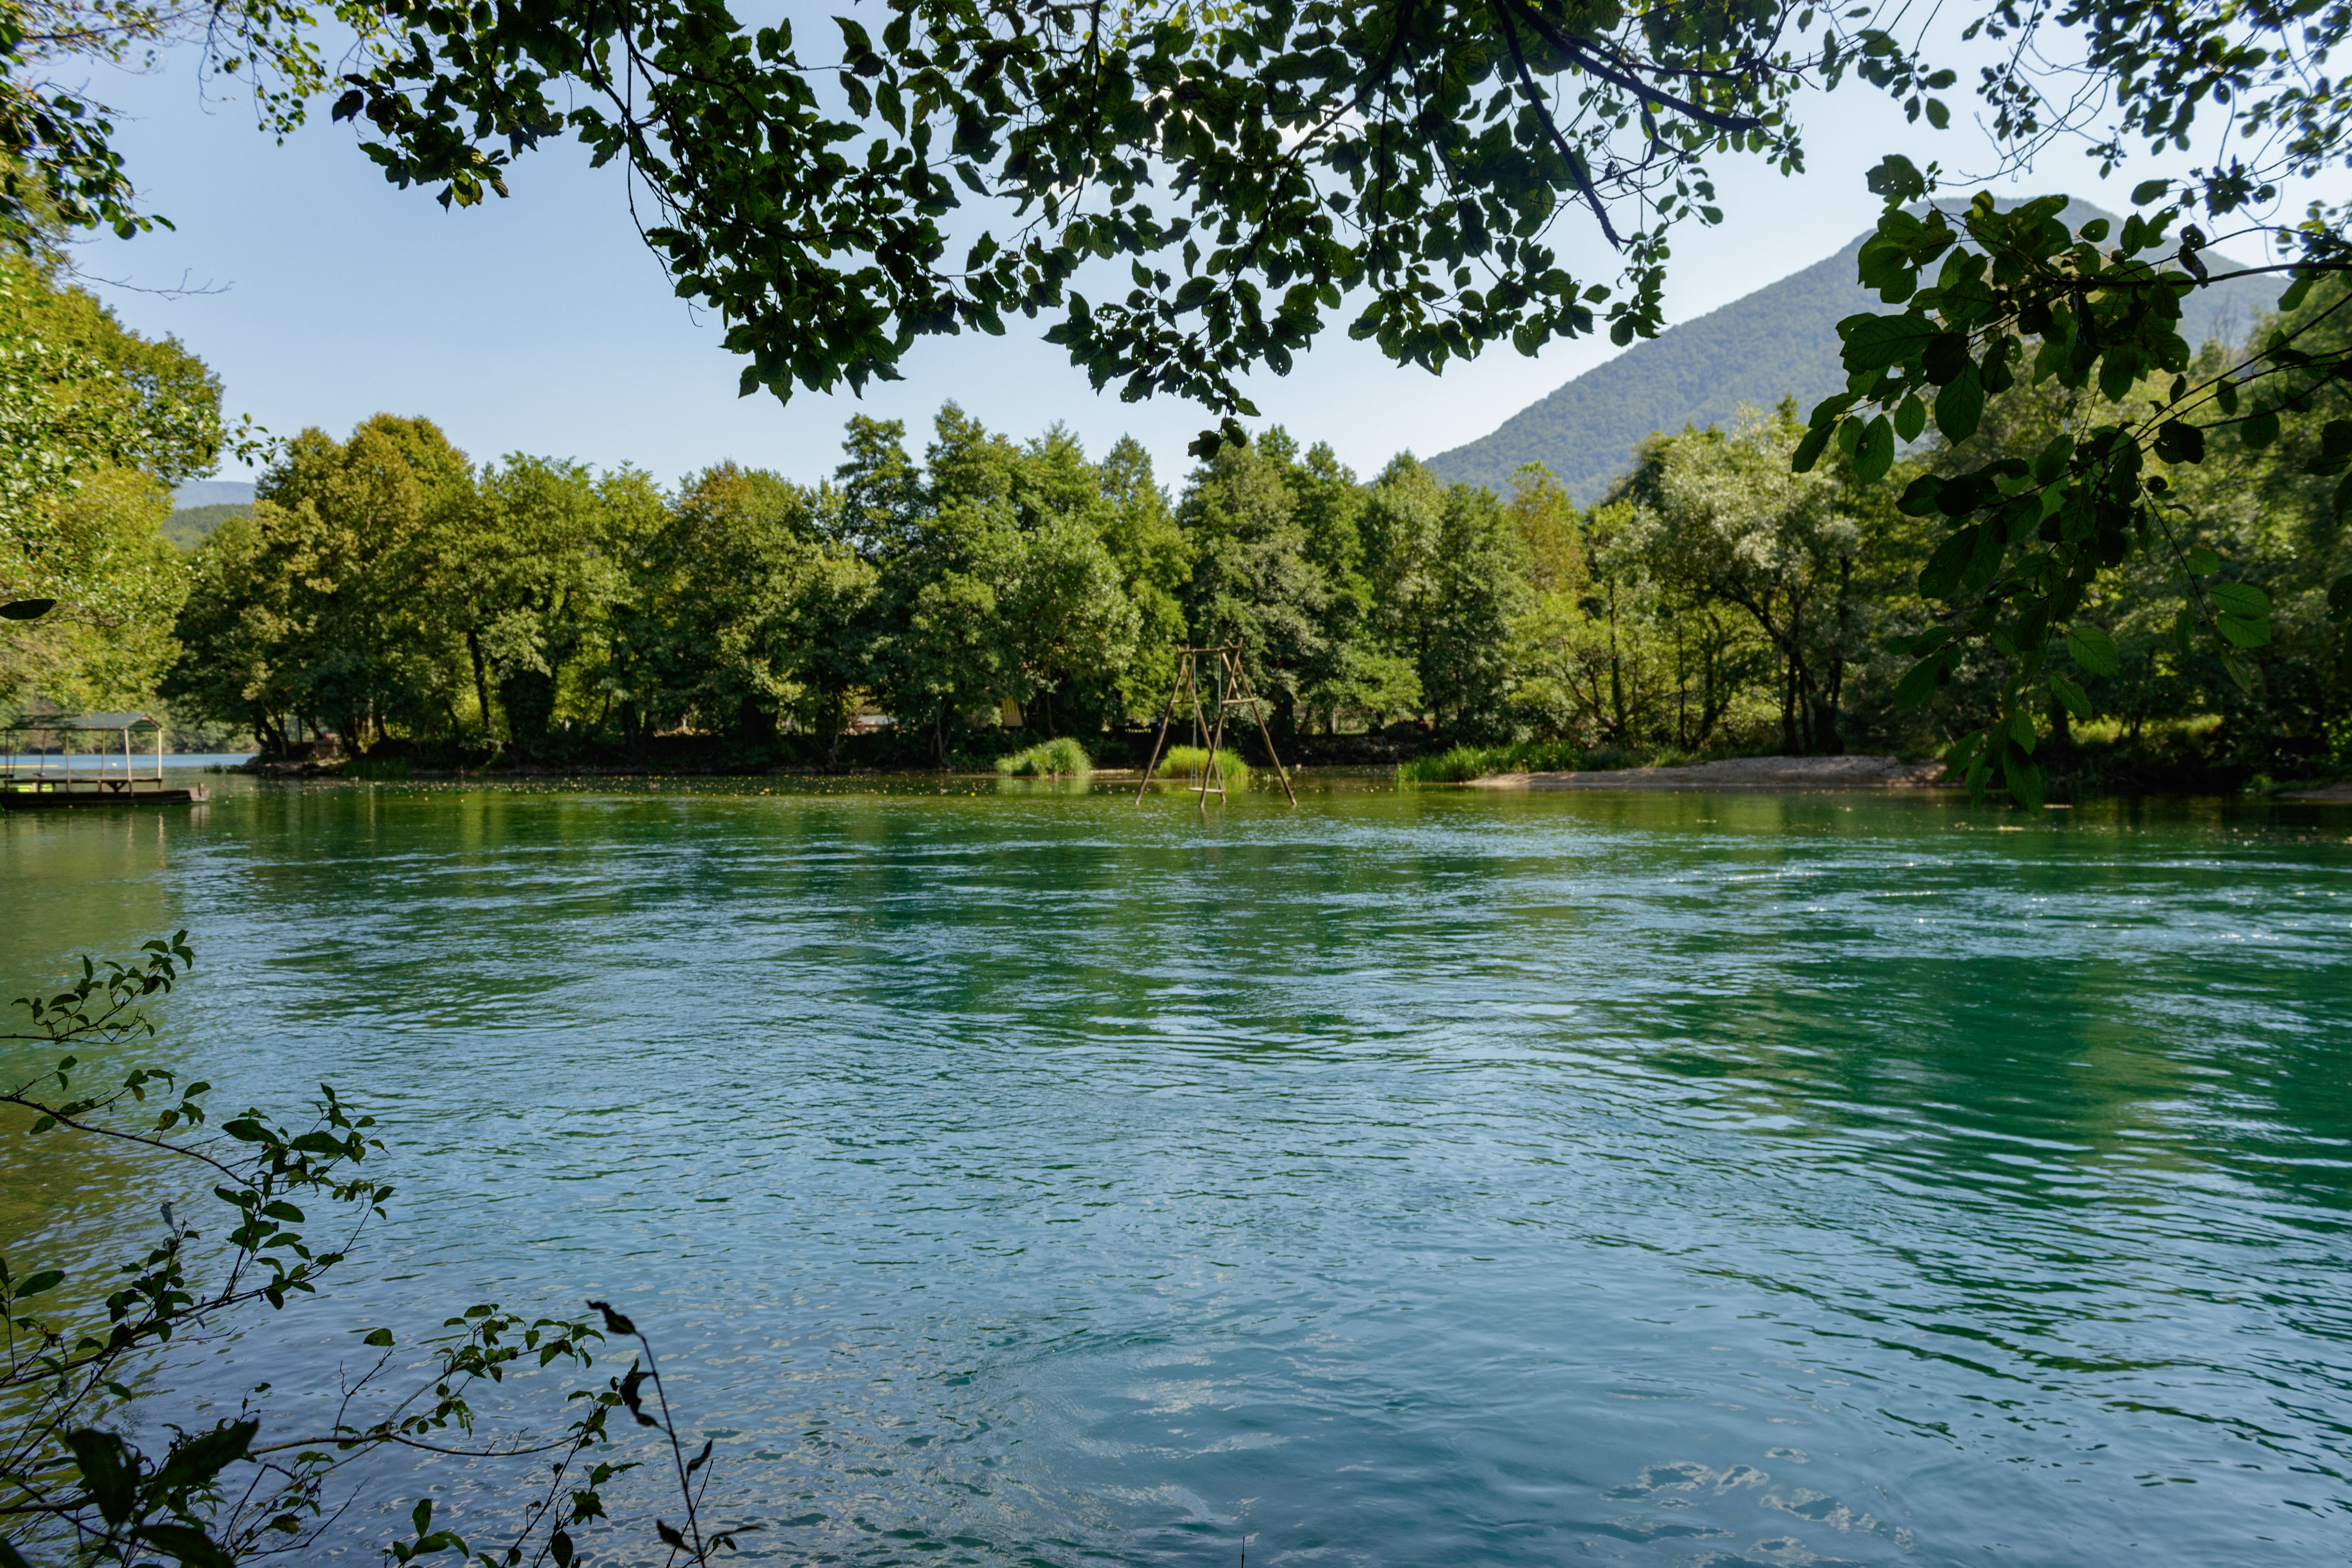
1014	1176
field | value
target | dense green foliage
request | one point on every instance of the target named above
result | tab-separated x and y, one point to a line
95	423
430	611
2076	425
1190	190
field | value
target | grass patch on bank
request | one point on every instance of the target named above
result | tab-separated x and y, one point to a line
1459	765
1059	758
1189	761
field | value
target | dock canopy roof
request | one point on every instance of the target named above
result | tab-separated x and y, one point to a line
84	722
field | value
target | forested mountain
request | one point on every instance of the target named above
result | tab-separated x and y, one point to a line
192	525
1779	342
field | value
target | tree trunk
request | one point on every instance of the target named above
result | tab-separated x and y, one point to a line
481	681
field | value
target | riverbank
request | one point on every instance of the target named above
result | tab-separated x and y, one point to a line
1736	772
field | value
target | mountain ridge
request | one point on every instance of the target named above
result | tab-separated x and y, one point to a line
1780	341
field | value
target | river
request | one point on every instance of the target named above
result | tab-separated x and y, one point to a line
1010	1176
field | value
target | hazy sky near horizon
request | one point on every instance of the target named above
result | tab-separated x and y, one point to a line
542	324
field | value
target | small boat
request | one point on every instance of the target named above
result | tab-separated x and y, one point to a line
49	777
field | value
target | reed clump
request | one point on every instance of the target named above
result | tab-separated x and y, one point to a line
1058	758
1190	761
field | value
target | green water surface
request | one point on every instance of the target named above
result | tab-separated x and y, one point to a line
1014	1176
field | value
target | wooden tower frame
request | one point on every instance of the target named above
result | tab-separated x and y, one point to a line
1232	684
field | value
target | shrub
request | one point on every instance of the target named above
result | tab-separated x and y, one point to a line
1050	759
1187	762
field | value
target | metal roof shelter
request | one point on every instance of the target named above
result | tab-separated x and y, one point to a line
44	775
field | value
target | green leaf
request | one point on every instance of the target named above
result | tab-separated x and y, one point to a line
2239	673
1960	405
2178	441
1919	496
2241	632
2021	731
1939	115
2050	464
2335	448
1897	179
378	1337
1878	342
109	1472
2202	562
47	1278
2023	776
2260	430
2147	191
1910	418
1918	683
199	1458
1809	449
192	1546
1941	576
1984	561
2077	701
1877	454
2092	649
2238	599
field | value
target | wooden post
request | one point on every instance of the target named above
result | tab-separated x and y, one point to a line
1209	766
1183	667
1241	683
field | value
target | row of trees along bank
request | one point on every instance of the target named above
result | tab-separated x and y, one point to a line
388	590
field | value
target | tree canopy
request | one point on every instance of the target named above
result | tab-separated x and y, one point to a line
1185	193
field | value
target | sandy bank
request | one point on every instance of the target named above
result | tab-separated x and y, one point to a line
1739	772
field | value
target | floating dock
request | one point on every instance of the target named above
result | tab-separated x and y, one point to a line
15	798
53	776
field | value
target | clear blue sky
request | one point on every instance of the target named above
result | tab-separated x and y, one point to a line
540	324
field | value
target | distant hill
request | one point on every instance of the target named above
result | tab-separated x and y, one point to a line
1779	342
192	525
213	492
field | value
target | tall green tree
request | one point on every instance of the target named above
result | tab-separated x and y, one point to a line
1154	564
1723	519
1478	587
1253	585
539	552
325	612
